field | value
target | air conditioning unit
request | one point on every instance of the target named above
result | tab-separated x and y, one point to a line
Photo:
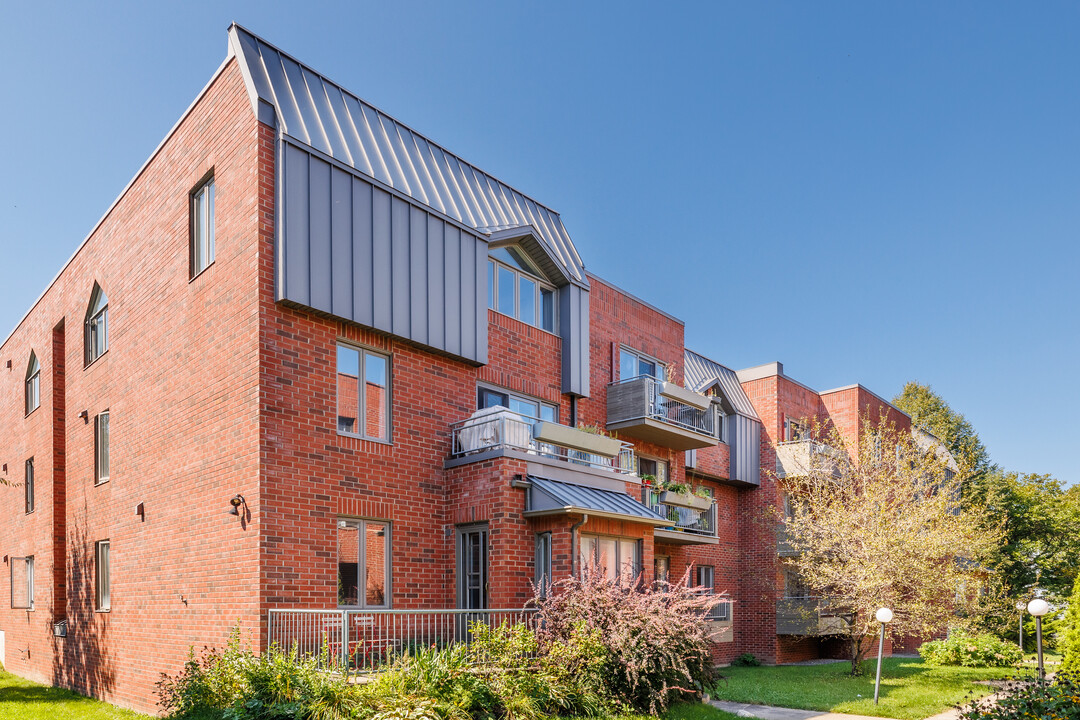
59	629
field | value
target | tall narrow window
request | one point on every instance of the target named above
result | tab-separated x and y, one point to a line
30	485
33	384
96	339
101	447
102	591
22	583
705	578
543	562
363	563
202	227
363	393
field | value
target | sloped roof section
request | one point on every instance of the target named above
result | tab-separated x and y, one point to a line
316	112
548	497
701	372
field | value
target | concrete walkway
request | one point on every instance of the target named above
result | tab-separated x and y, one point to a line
775	713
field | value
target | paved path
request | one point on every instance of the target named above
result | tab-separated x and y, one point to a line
775	713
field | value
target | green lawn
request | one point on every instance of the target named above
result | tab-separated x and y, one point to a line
24	700
909	689
688	711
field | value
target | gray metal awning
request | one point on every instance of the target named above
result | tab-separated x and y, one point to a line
551	497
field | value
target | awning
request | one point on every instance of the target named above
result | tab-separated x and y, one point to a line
551	497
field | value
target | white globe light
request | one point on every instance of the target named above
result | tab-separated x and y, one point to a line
883	615
1038	607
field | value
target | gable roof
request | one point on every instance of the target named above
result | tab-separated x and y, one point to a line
701	373
311	110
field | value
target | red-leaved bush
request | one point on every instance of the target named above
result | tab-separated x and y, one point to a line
657	638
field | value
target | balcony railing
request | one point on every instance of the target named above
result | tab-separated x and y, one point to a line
363	641
801	457
507	430
654	410
687	520
809	616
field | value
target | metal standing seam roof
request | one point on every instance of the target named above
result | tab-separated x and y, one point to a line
558	496
318	113
701	372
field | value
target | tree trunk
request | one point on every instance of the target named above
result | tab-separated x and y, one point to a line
858	651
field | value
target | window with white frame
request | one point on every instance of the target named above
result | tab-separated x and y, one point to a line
22	583
33	384
634	364
202	227
705	578
617	558
488	397
363	393
102	583
515	288
101	447
96	329
29	485
658	469
363	551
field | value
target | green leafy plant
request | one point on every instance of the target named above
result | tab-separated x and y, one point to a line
1058	699
703	492
1069	635
966	650
746	660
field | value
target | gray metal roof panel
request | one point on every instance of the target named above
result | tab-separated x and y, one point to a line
589	498
701	372
319	113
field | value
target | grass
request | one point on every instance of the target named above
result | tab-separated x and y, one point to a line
24	700
686	711
909	689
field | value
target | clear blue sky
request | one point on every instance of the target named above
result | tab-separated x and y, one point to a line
867	192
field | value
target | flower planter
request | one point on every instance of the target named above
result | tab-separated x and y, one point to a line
687	397
576	439
687	501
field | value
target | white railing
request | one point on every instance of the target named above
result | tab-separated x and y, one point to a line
514	431
362	641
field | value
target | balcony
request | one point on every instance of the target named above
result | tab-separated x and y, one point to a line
809	616
688	525
801	457
660	412
495	431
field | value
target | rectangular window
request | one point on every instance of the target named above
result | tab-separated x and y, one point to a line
33	385
472	567
618	558
487	397
202	227
101	447
658	469
30	485
22	583
102	590
633	364
662	569
516	288
705	577
543	562
363	563
363	408
794	431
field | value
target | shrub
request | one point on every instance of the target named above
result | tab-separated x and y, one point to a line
1069	642
656	642
960	648
746	660
1057	700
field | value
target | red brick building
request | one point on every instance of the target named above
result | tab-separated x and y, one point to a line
311	360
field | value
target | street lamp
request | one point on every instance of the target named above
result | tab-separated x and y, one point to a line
1021	606
1039	607
884	616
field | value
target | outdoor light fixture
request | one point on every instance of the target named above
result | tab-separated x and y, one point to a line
884	616
1039	607
237	501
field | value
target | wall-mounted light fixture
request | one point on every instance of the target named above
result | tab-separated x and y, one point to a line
237	502
85	415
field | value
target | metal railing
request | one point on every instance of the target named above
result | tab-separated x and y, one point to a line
799	457
810	615
697	522
363	641
642	397
511	430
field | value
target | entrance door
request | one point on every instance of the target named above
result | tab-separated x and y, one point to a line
472	573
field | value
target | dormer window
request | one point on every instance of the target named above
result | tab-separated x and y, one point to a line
516	288
96	340
33	384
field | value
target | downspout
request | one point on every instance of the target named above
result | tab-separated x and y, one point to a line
574	542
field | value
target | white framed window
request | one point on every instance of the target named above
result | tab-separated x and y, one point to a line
33	384
101	447
662	569
202	227
96	329
29	485
634	364
102	582
705	578
487	397
363	393
22	583
363	552
651	466
795	430
618	558
516	288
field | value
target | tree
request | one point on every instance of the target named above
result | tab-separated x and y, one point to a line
1069	642
929	411
883	528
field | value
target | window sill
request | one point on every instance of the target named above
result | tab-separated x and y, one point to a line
106	611
99	483
381	441
92	362
199	274
32	411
